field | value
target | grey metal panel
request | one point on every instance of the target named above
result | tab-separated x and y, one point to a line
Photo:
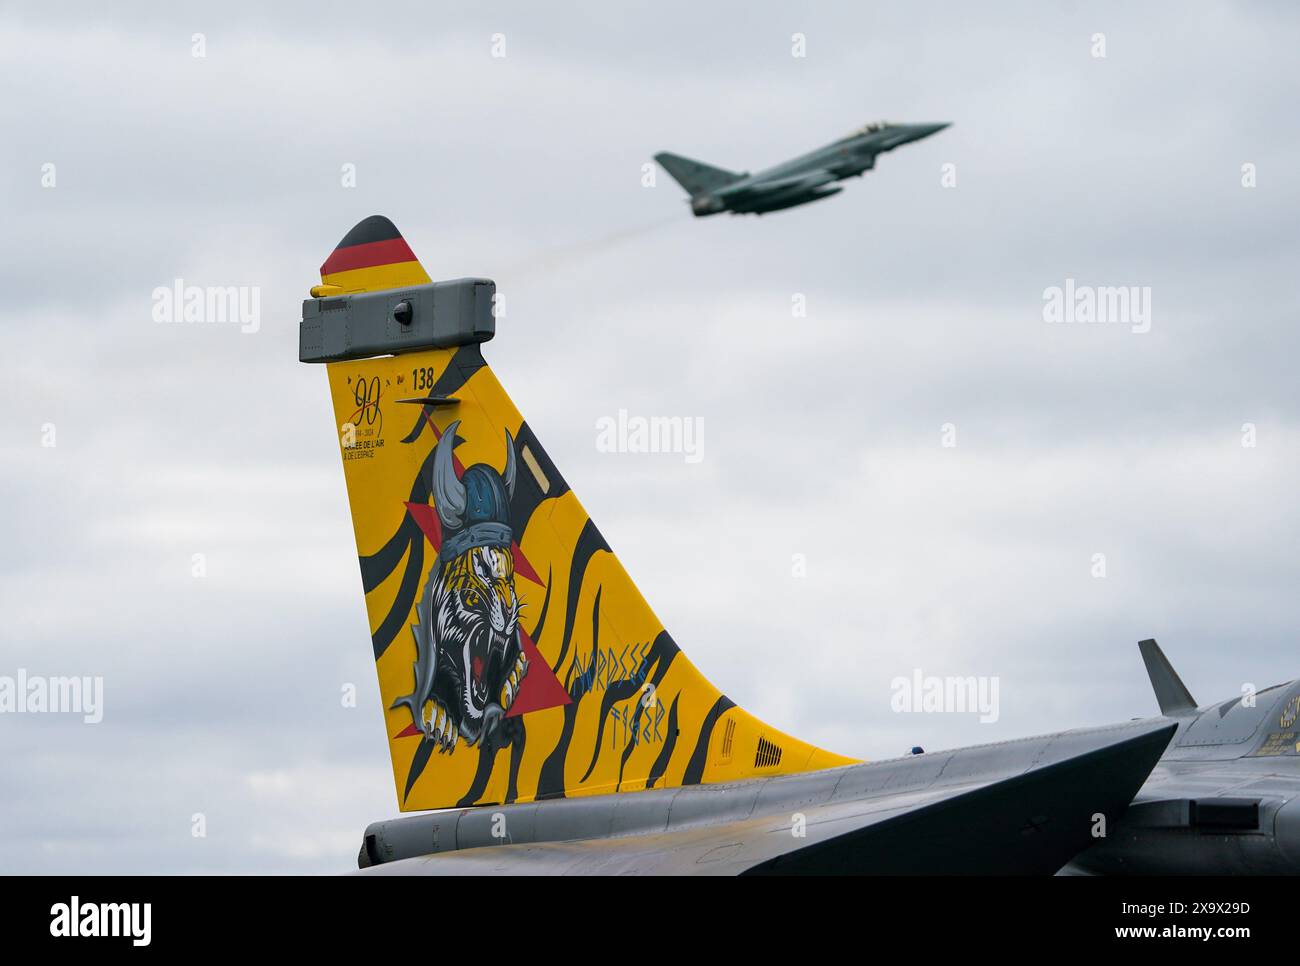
783	795
703	804
645	811
495	825
442	315
428	833
574	818
1286	832
892	776
1283	785
1067	743
1232	723
1168	813
1002	759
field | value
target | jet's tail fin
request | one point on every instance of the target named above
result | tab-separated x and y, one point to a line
372	257
517	660
695	176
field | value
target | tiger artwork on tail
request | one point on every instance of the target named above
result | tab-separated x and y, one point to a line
517	658
469	659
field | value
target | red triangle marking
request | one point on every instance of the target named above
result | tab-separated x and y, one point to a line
523	568
426	518
541	688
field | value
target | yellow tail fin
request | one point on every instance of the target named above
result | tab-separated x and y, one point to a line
516	658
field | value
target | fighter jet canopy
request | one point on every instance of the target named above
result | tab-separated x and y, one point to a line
872	128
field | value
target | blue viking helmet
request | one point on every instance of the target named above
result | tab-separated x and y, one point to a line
474	509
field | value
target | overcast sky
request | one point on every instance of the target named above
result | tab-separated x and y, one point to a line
823	434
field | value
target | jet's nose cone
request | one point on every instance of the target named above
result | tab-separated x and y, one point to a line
925	130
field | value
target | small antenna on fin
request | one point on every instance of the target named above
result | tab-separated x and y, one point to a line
1171	694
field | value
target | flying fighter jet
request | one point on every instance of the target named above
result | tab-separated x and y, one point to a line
795	182
538	715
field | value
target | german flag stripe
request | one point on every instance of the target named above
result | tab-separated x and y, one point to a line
367	255
372	257
372	229
378	278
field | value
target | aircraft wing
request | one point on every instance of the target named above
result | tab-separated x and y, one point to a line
804	181
1016	807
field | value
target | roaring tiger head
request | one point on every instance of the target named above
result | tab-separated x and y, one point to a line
469	661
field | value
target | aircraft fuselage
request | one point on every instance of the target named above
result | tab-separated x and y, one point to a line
809	177
1224	799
